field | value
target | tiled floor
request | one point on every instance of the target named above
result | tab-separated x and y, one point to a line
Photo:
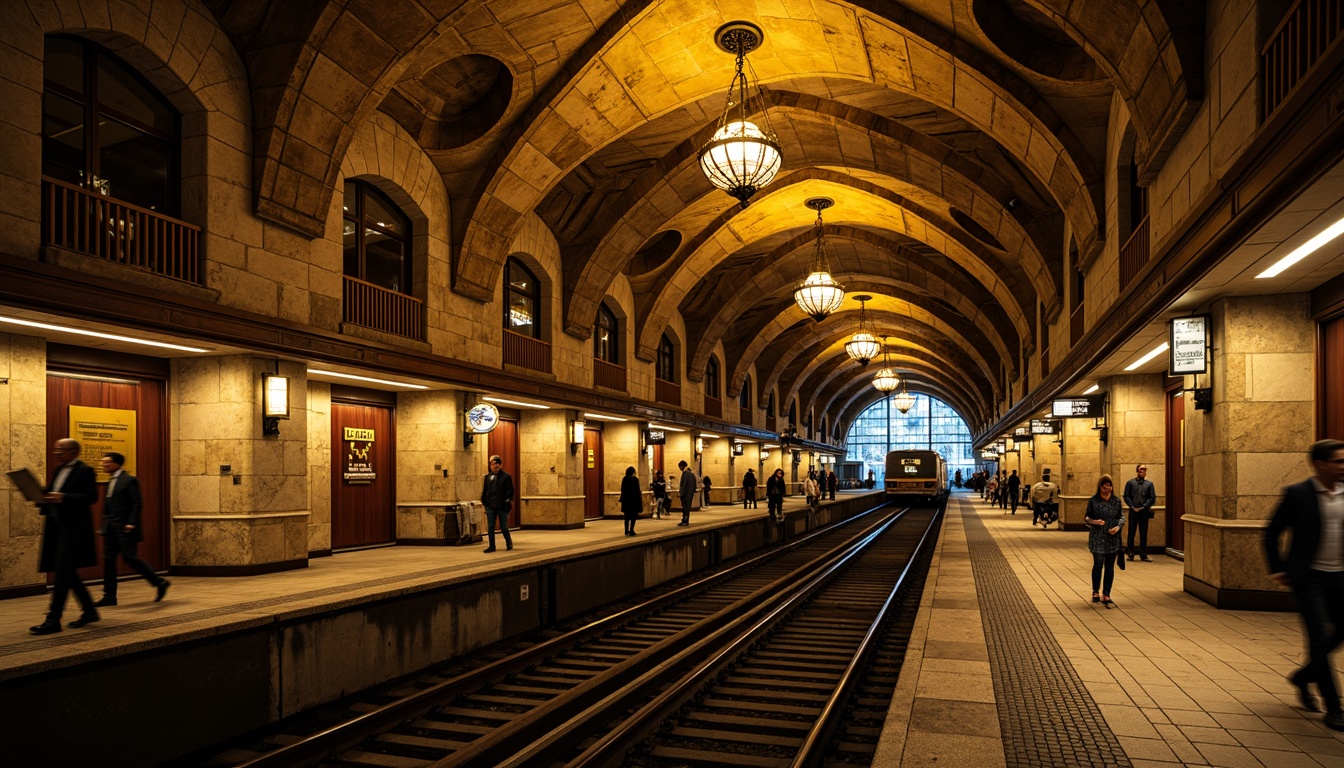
202	607
1177	681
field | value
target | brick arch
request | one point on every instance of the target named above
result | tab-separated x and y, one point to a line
777	272
821	394
864	141
594	106
1153	53
781	210
855	400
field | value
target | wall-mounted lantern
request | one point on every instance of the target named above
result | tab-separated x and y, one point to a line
274	402
575	436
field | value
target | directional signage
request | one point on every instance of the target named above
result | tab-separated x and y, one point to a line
1044	427
655	437
1022	432
1093	407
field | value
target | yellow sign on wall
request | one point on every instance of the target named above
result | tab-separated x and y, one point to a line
101	431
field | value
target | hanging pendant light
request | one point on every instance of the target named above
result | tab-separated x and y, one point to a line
741	157
819	295
886	380
862	347
903	400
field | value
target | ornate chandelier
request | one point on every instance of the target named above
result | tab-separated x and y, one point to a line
819	295
862	347
741	157
886	380
904	400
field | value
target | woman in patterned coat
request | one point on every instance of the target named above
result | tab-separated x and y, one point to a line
1105	516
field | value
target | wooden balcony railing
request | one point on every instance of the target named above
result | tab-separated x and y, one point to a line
106	228
713	407
1134	254
1307	31
526	352
666	392
1076	324
744	415
373	306
608	375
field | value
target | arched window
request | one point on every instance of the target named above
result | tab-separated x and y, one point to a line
793	413
712	378
744	397
823	427
105	127
667	360
377	238
606	339
522	299
770	405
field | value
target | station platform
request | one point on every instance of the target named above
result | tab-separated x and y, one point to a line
1011	664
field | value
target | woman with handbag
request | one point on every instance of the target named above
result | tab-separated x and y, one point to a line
1105	516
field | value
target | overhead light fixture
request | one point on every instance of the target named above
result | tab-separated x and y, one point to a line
903	400
1142	360
819	295
370	379
1305	250
741	157
770	445
710	435
600	417
518	403
886	379
664	426
100	335
862	347
1091	389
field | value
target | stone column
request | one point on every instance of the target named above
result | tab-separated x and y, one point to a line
1241	454
252	517
551	477
714	465
319	468
433	466
23	417
1138	435
1081	468
620	446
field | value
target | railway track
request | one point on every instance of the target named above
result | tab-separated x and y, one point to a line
481	716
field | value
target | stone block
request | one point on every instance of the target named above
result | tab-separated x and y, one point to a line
197	494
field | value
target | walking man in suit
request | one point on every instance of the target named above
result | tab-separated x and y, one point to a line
497	497
67	535
686	488
1314	510
121	530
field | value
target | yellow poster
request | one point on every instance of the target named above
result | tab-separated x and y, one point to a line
103	430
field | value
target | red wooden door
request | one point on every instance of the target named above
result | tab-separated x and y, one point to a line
658	460
363	510
592	474
1175	470
1330	380
146	398
504	444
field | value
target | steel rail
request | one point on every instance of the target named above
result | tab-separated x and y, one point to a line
351	732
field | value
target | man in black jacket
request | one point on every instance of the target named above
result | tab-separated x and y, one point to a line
1314	510
497	496
121	530
67	535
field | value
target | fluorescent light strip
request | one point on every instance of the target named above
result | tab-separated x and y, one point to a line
517	402
370	379
710	435
99	335
1157	351
770	445
664	426
1095	387
600	417
1304	250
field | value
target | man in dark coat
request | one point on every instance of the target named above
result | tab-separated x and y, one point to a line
832	483
1314	510
67	535
1014	490
121	530
497	496
686	489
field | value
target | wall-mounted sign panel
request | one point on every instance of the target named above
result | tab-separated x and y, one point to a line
1044	427
738	449
655	437
1188	345
1093	407
1021	432
359	444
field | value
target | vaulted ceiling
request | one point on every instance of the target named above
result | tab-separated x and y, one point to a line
963	142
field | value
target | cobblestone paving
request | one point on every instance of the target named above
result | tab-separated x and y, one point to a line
1045	712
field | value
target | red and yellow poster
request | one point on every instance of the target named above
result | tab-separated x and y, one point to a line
359	456
101	431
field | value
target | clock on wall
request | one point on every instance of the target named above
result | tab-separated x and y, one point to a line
482	418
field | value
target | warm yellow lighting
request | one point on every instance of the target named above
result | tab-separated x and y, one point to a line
741	157
904	401
576	432
664	426
600	417
1091	389
100	335
370	379
886	380
1305	250
275	396
1142	360
518	403
699	445
819	295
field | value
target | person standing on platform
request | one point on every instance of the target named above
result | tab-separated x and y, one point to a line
1044	500
707	485
686	488
1314	568
956	479
632	500
871	482
992	488
1140	496
1003	490
774	495
749	490
659	488
1105	516
1014	490
832	483
121	530
812	490
497	496
67	536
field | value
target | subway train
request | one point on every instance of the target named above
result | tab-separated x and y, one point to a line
916	475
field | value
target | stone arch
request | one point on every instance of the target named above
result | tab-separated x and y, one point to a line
856	401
